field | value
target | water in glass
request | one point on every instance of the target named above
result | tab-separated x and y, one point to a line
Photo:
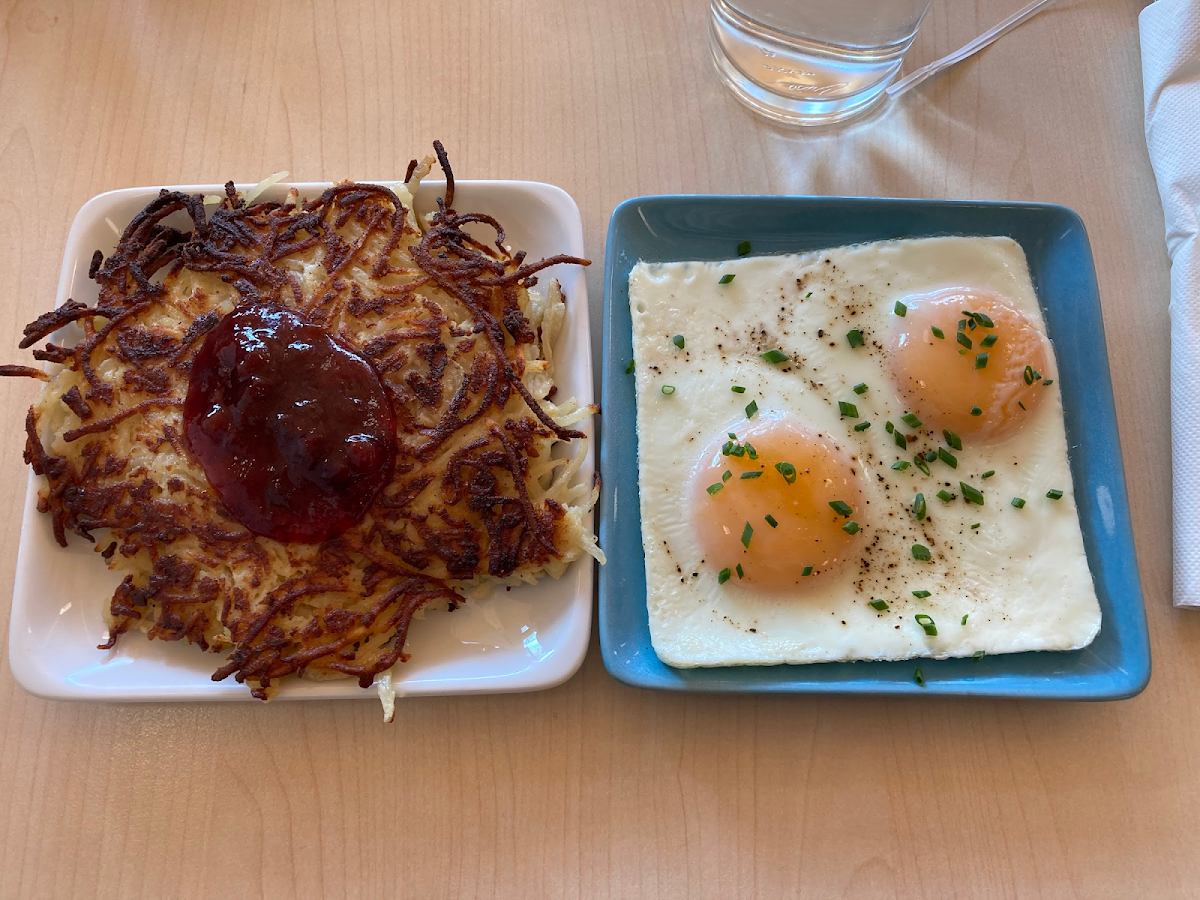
812	61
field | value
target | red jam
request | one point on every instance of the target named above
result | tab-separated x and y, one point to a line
293	429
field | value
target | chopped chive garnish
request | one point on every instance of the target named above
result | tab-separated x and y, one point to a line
937	332
787	470
927	623
723	576
921	464
841	508
726	475
1028	374
1022	405
861	388
771	521
737	450
748	475
981	360
629	367
970	494
747	532
727	448
1054	495
945	496
988	340
910	420
976	525
750	451
921	595
879	604
976	411
774	356
921	552
713	488
964	340
900	465
952	439
947	457
1047	382
900	309
678	341
740	572
919	506
919	677
978	655
962	323
982	320
743	248
731	435
899	439
964	619
972	324
848	409
806	571
668	389
751	409
851	528
854	338
725	279
809	294
889	427
738	389
862	426
931	456
988	474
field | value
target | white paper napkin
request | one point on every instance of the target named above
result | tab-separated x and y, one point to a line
1170	33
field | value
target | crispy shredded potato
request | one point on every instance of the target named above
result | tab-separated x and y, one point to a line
483	492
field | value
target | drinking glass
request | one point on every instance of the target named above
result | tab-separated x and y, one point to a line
811	62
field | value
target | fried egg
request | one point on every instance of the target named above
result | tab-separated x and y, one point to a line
857	453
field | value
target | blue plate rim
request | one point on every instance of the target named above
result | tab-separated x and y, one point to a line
1126	678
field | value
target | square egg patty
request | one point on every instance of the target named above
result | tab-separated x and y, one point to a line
856	453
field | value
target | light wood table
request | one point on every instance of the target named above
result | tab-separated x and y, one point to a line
592	789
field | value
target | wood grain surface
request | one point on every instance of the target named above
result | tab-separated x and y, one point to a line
592	789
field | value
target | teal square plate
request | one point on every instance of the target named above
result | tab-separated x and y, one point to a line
667	229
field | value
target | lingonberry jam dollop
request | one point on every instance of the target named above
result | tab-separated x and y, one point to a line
293	429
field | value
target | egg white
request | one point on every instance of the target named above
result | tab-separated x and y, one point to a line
1021	578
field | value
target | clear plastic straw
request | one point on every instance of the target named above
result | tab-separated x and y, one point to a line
969	49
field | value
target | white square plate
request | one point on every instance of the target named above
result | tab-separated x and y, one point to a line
527	638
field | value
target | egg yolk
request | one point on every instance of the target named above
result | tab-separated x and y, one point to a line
970	380
769	509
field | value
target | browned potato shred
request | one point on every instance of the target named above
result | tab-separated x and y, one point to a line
463	350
